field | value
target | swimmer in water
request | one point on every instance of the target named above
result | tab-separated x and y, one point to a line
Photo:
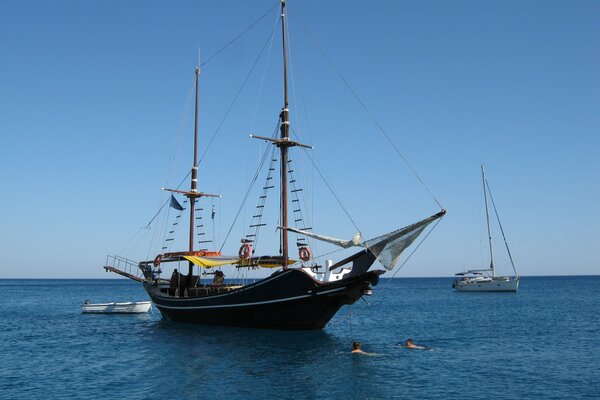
411	345
356	349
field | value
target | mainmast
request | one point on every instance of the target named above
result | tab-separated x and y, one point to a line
284	143
285	127
487	216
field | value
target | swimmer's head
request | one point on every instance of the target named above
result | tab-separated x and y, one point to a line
355	345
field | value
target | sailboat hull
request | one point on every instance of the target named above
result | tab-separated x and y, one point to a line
497	284
289	300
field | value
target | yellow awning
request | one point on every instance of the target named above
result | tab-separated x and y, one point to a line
209	262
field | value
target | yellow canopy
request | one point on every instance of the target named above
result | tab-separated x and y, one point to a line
209	262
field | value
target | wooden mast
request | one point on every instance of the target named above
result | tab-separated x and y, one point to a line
194	186
285	126
284	143
487	216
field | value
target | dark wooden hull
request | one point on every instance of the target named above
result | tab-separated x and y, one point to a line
288	299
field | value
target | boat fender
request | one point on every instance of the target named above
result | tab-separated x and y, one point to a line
157	260
304	253
245	251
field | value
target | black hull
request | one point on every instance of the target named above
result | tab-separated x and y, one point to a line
289	300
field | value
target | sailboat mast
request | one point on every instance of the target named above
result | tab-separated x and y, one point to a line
487	216
194	185
285	126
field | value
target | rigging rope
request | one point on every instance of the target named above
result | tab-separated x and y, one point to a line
262	81
239	35
327	183
269	39
384	285
363	105
416	247
262	161
500	225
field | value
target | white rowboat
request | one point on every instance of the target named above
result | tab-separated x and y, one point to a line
131	307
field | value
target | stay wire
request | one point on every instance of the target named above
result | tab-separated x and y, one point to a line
327	184
238	36
411	254
230	107
264	75
398	269
363	105
500	225
256	175
237	94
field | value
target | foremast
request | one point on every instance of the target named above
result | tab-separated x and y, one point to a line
194	183
193	193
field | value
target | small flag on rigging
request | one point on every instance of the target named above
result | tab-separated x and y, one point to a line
212	215
175	204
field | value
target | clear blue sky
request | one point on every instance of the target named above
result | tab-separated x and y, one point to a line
93	113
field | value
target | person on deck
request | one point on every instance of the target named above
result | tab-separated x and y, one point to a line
175	279
219	278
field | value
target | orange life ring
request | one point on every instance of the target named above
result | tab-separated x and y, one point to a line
157	260
304	253
245	251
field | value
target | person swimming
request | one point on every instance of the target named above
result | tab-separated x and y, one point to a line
409	343
356	348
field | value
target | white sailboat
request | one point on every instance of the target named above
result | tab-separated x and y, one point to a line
486	280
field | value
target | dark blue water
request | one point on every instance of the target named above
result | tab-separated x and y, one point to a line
543	342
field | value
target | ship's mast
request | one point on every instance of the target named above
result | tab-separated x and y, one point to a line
194	185
285	127
284	143
487	216
193	193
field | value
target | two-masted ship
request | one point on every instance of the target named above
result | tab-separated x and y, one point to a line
294	296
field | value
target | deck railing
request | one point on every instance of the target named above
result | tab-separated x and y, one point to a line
123	266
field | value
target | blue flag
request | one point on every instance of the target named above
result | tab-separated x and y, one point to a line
175	204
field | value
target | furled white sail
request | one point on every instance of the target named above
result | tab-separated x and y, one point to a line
355	241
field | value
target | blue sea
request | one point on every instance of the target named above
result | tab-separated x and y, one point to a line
540	343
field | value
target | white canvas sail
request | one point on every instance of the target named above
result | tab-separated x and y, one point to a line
387	248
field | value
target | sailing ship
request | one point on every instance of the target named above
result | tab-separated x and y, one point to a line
296	296
486	280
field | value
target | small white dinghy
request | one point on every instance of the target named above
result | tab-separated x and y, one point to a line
131	307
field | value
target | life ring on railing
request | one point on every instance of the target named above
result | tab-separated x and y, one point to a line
157	260
304	253
245	251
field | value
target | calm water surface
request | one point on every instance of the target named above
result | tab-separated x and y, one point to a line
543	343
